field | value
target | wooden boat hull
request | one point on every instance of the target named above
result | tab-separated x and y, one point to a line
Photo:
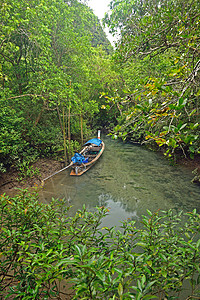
77	170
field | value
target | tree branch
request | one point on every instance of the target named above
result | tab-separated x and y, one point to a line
25	95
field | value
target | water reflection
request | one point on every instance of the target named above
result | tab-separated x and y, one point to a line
128	179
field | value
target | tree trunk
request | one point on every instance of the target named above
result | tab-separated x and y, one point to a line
69	132
81	129
64	138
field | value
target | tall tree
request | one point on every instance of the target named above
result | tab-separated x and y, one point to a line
44	45
164	105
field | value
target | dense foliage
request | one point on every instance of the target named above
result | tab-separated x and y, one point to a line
42	248
159	58
55	62
52	57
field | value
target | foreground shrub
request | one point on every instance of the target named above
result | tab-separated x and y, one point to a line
42	245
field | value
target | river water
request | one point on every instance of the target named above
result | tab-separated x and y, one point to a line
127	179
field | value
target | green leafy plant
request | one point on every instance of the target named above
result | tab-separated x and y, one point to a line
42	246
161	103
27	171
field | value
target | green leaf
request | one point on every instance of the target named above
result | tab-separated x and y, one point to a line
78	250
120	289
181	103
198	243
149	212
187	235
142	244
183	126
139	285
164	273
198	279
149	297
149	262
101	276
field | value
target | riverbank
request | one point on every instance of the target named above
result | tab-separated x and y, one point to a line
189	163
9	181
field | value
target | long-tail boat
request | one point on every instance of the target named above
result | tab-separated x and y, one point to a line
83	161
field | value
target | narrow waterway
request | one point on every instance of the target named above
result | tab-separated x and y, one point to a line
127	179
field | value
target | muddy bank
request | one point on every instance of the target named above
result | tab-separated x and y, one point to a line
193	165
9	182
189	163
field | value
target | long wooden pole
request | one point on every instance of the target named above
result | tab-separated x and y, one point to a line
57	172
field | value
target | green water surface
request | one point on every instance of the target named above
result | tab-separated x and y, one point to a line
127	179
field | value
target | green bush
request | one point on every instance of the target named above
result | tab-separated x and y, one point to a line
42	245
26	171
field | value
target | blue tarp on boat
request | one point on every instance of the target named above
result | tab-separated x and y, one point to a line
94	141
79	159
